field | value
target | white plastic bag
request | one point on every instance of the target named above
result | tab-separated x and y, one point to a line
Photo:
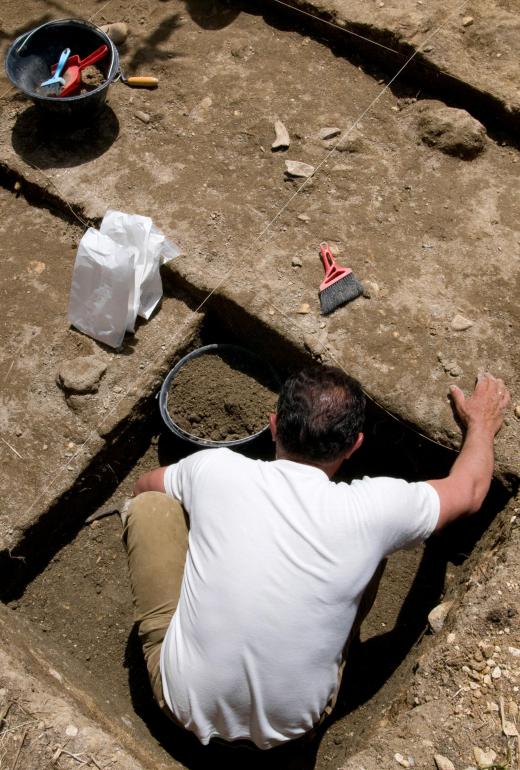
116	276
153	250
102	285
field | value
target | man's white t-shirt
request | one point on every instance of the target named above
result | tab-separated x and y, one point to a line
278	559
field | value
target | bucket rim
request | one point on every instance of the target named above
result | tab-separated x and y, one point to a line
113	71
165	389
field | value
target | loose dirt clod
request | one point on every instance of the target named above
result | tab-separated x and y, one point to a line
217	397
92	77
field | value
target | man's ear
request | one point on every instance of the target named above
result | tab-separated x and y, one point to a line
355	446
272	424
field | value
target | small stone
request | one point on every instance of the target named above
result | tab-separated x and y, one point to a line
81	375
117	32
370	289
71	731
428	48
304	308
514	651
496	673
517	411
486	679
450	639
296	262
443	763
304	217
144	117
17	186
484	758
450	130
401	760
509	729
295	168
438	615
351	142
329	132
282	140
455	370
55	674
460	324
467	21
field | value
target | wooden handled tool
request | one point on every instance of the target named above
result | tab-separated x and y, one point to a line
140	81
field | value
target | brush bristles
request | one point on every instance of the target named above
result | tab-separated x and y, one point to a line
339	293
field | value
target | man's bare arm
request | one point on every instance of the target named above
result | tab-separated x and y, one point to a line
464	489
153	481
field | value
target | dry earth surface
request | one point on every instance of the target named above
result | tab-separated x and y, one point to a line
421	203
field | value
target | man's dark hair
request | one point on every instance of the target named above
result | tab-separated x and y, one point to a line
320	412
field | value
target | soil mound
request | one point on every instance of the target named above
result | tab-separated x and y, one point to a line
222	396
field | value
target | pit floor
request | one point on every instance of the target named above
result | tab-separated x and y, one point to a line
82	604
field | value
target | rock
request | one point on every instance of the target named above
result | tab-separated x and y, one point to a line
296	262
142	116
71	731
514	651
509	729
329	132
460	324
295	168
304	217
443	763
282	140
451	367
117	31
370	289
467	21
517	411
496	673
81	375
438	615
304	308
401	760
451	130
352	142
450	639
484	758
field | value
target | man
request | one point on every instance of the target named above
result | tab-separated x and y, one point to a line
247	639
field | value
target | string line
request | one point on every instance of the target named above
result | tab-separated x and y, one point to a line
255	241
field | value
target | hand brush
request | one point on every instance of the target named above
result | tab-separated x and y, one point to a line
339	286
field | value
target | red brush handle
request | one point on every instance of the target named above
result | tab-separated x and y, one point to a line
333	271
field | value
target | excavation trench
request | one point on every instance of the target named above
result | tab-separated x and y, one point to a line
69	580
75	587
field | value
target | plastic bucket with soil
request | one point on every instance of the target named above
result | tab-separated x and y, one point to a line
219	395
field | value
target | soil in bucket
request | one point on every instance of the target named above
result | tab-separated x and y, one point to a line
221	396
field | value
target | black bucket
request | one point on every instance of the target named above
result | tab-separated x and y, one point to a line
237	352
29	59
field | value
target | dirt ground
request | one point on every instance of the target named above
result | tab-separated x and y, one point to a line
433	237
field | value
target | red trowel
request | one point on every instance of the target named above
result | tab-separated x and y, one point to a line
72	72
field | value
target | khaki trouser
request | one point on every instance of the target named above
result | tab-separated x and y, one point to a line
156	538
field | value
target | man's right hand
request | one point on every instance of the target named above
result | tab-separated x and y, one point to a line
463	491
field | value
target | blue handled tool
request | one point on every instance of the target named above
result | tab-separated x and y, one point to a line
56	80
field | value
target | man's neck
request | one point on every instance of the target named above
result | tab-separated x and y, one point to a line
330	468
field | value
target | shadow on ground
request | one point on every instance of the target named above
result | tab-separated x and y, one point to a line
42	142
213	14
